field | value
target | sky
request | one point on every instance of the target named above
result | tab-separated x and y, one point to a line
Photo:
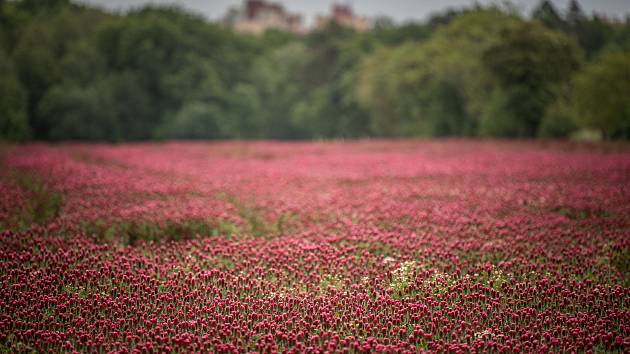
398	10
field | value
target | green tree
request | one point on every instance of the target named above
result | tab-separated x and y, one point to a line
81	113
547	14
243	112
272	75
13	120
130	104
529	64
179	60
38	54
601	96
195	120
592	33
12	21
558	120
106	109
575	16
329	109
434	88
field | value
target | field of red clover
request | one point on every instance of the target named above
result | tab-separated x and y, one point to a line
373	246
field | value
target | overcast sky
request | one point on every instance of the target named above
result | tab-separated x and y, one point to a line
399	10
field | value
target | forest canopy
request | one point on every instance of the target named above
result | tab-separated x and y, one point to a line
72	72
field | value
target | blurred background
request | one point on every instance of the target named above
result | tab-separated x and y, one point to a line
256	69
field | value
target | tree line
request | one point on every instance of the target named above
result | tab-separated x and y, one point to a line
73	72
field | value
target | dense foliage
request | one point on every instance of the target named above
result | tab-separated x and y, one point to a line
68	71
378	246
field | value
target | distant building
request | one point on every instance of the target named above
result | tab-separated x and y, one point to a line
257	16
344	16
